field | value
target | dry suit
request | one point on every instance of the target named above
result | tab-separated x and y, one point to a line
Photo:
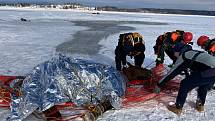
202	74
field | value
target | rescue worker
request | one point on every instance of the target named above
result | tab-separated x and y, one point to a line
129	44
208	45
202	74
169	43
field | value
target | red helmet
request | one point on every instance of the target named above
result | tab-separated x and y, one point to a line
202	39
188	36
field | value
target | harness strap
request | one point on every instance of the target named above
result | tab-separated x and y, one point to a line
193	58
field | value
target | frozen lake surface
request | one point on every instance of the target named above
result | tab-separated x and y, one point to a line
84	35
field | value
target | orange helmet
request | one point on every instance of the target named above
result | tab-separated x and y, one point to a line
174	36
202	39
188	36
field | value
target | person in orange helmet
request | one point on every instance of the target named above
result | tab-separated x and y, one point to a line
208	45
170	43
201	66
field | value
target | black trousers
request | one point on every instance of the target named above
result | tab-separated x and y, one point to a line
139	59
190	82
120	59
171	55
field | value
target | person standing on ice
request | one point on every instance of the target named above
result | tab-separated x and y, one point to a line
202	74
129	44
170	43
208	45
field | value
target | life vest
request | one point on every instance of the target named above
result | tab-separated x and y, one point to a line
137	38
210	46
131	38
171	38
127	41
167	40
212	49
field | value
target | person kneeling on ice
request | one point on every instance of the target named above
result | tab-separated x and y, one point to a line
170	43
130	44
208	45
202	74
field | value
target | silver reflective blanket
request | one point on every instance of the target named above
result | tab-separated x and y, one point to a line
65	79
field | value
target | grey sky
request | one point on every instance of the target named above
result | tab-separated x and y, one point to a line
177	4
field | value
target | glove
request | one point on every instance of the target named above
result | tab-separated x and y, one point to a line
124	67
158	61
157	90
170	65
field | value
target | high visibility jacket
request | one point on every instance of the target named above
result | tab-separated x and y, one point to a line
210	46
130	42
212	50
196	61
168	39
165	43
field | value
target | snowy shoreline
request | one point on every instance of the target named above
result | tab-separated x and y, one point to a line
91	11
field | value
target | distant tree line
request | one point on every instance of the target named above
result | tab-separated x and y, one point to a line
72	5
42	4
155	10
15	4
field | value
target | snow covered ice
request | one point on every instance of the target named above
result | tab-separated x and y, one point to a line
26	44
